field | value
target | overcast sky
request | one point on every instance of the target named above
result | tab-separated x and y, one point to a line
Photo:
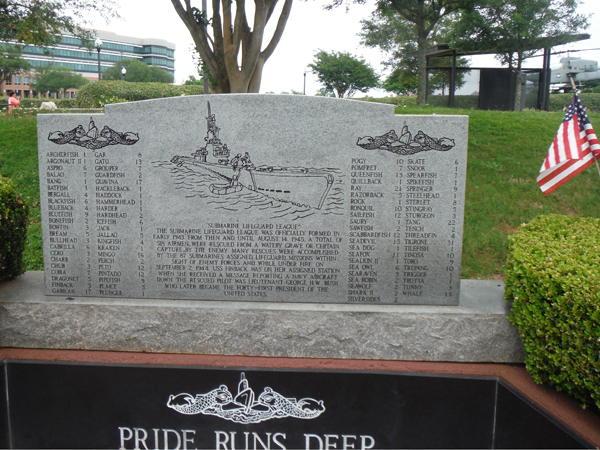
309	29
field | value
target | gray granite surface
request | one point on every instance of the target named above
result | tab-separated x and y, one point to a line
475	331
253	198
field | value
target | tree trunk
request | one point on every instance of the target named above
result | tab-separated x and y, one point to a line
254	85
422	62
230	73
519	86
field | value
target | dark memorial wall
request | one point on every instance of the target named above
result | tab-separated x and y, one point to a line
68	405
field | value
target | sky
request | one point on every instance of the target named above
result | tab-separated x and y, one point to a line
310	28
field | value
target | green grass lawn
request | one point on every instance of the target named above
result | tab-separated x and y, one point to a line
506	150
19	162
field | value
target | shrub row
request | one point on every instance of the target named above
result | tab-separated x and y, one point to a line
13	231
96	95
558	102
552	280
36	102
396	101
460	101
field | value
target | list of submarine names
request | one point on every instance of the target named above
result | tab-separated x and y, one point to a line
102	243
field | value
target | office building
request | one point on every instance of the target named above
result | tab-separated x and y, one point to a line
70	53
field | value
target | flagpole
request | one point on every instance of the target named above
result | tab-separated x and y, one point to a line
593	156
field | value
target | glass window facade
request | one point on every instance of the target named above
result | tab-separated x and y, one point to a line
70	53
159	61
154	49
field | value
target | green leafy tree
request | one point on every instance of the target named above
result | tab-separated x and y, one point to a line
517	29
235	52
343	74
396	37
41	22
137	71
419	20
53	79
193	81
11	62
440	79
401	82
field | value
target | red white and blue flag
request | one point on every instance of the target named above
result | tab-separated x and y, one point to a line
572	151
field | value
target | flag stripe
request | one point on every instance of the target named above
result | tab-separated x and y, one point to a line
569	170
572	151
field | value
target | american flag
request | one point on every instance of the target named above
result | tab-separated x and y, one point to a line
572	151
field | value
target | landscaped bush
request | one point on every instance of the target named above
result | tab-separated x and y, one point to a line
402	101
558	102
553	280
96	95
13	231
36	102
460	101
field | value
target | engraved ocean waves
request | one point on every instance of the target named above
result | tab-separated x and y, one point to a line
197	186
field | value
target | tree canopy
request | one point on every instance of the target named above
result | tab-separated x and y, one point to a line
234	52
11	62
418	21
53	79
396	37
517	29
512	28
137	71
343	74
41	22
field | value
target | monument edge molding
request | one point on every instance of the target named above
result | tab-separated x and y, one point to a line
475	331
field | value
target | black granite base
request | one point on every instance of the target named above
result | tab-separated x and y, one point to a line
54	405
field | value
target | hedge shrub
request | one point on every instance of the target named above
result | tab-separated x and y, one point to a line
36	102
460	101
96	95
558	102
553	281
13	231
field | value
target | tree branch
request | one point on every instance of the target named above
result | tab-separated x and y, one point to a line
285	14
199	35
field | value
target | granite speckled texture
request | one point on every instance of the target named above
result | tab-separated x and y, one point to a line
475	331
245	197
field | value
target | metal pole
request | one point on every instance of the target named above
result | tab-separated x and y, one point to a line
204	73
304	91
99	72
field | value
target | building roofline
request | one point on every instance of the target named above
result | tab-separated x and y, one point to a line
110	36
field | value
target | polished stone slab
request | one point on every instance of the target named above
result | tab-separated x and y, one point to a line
150	407
475	331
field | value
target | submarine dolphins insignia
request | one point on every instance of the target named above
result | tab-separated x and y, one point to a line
405	144
245	407
92	138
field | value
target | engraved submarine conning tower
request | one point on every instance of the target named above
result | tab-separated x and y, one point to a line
213	142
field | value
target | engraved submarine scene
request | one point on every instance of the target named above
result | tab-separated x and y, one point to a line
237	183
